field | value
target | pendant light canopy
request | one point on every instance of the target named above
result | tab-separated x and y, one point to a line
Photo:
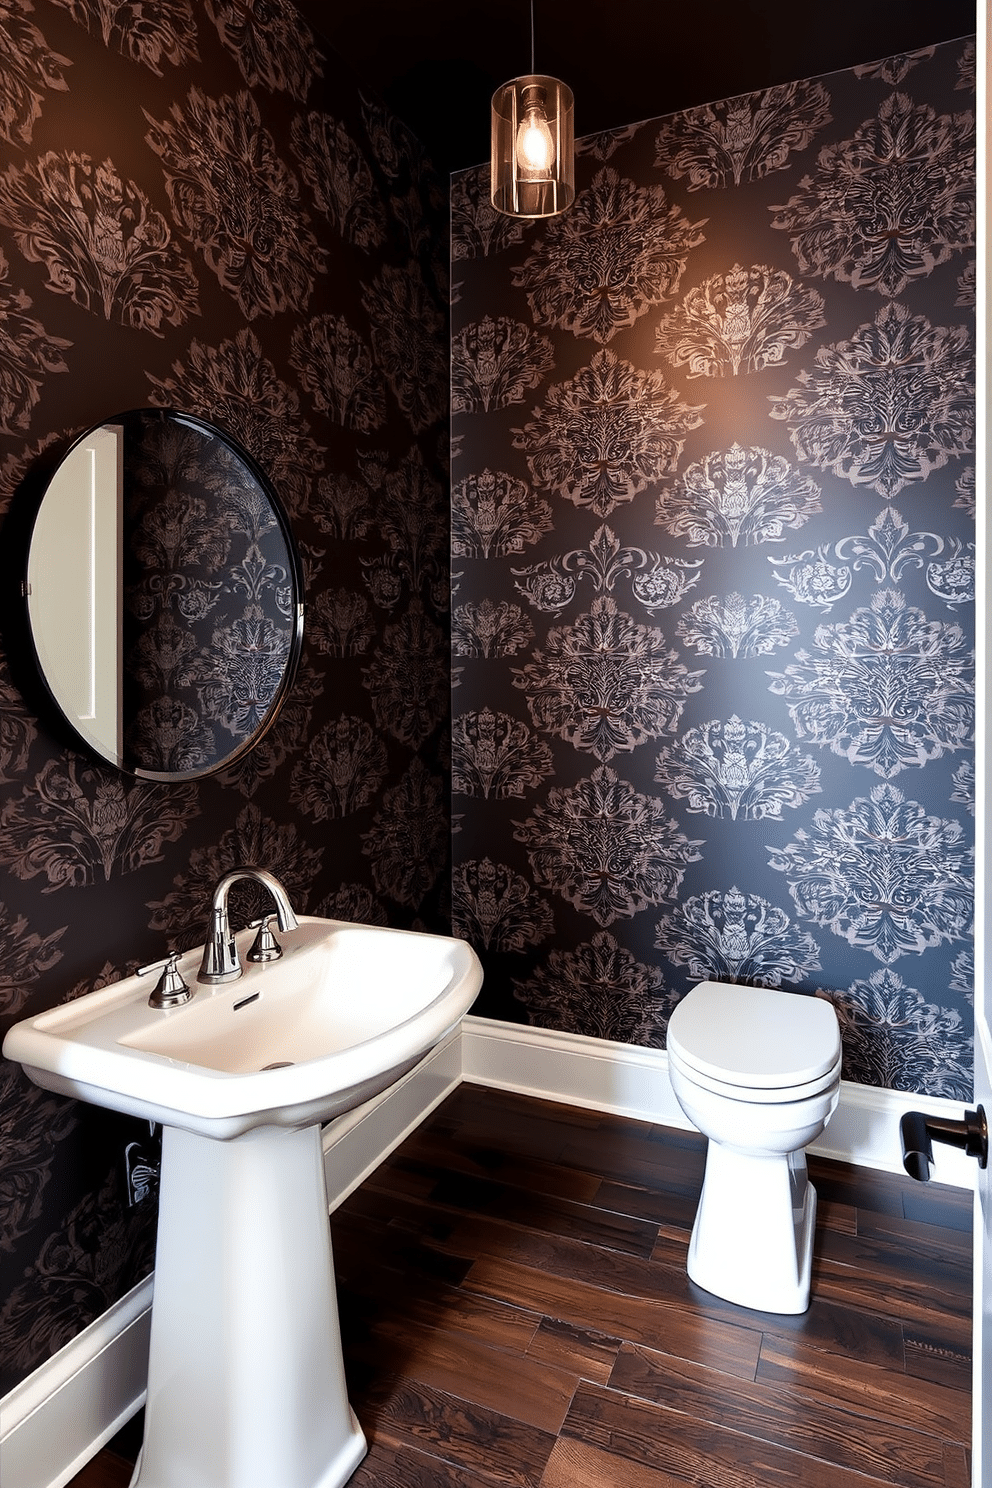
532	159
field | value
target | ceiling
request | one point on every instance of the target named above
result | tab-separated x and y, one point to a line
437	62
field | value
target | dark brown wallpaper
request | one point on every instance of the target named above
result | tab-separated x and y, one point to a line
713	547
199	210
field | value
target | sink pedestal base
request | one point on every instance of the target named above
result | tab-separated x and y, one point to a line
246	1385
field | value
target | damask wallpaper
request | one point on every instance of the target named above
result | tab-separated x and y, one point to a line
208	603
713	570
200	210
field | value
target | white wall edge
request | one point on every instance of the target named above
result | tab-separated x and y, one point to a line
629	1080
55	1420
356	1143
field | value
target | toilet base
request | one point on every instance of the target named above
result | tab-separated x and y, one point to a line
752	1241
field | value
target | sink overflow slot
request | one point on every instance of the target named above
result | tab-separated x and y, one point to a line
245	1001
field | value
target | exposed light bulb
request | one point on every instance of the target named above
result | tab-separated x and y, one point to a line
535	147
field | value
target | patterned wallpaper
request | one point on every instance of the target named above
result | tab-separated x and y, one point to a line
208	598
713	566
199	210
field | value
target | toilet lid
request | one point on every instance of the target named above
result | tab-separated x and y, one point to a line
754	1036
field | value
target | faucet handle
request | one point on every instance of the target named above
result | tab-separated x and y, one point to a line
170	989
264	947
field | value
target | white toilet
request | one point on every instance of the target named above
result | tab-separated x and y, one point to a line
758	1072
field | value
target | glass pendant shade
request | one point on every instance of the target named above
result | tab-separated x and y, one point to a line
533	147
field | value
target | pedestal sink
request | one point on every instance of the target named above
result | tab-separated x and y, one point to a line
246	1385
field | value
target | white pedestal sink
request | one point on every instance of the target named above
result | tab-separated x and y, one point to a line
246	1385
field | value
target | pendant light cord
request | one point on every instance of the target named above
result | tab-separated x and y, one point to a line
532	38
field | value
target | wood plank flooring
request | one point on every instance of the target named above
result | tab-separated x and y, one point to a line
516	1314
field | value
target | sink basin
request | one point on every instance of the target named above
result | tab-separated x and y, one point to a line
346	1011
246	1382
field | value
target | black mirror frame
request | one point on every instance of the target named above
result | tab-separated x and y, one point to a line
25	666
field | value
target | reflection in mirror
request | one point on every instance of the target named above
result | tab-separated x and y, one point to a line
164	595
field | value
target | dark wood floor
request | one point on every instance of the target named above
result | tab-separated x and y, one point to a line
515	1311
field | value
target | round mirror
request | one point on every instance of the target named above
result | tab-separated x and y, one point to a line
164	596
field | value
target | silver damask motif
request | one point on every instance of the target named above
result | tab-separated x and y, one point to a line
237	387
335	367
497	909
477	229
495	756
883	875
342	771
339	623
101	241
25	955
76	825
737	496
228	186
411	520
601	436
494	362
963	781
734	626
739	322
889	688
25	1111
273	44
339	176
965	487
893	70
493	514
744	771
341	507
737	937
147	34
409	839
406	328
888	406
606	684
17	731
598	990
605	848
657	582
886	207
488	629
28	67
408	678
894	1038
606	142
742	138
885	551
69	1282
618	251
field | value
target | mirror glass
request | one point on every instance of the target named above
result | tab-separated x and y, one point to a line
164	595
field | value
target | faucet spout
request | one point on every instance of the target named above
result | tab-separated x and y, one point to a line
220	954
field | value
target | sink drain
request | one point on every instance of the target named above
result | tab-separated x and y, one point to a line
279	1064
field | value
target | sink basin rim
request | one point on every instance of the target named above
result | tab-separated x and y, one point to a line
60	1051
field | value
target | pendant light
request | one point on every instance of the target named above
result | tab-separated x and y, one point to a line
532	162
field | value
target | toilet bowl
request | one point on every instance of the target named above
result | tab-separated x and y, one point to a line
757	1071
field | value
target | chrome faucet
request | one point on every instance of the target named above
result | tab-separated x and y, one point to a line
220	954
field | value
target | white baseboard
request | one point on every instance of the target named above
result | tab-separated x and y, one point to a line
633	1081
56	1419
53	1422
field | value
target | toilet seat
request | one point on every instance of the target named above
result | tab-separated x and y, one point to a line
756	1094
755	1043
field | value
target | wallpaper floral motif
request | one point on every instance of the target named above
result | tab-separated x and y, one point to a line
713	543
201	211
